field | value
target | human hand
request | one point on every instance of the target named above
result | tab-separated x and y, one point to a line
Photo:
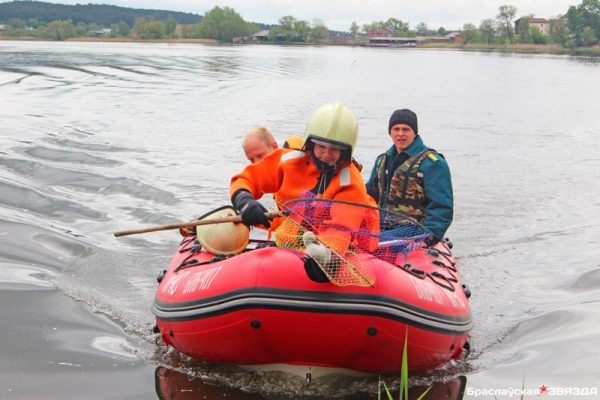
319	253
251	211
309	238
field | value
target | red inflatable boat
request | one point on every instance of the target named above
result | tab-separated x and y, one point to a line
264	306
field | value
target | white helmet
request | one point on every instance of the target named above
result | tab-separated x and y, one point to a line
332	123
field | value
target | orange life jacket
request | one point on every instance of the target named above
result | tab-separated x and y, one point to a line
291	174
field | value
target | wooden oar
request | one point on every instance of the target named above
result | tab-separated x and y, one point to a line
195	222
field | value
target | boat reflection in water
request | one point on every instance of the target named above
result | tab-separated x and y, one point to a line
175	385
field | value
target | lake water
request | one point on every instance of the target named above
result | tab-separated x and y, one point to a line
99	137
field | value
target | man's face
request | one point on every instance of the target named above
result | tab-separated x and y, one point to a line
256	150
402	135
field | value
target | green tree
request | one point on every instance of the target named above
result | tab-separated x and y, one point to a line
421	29
170	26
524	33
318	30
487	29
442	31
223	24
35	23
58	30
114	30
123	28
559	31
536	35
290	29
590	11
153	30
147	28
92	27
588	36
576	24
16	23
354	29
506	14
287	24
81	30
396	26
301	31
470	33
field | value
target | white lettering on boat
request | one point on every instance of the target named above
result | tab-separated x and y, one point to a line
437	294
425	292
171	285
455	300
201	280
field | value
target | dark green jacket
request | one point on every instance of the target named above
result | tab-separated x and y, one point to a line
436	182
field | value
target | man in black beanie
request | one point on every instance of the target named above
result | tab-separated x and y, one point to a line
404	116
412	179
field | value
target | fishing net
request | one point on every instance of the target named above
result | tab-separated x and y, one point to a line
343	237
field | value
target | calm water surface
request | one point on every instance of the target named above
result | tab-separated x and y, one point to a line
98	137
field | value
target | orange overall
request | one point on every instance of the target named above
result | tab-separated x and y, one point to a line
291	174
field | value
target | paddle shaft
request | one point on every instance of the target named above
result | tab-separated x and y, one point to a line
195	222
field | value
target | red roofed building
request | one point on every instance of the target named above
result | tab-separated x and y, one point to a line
541	23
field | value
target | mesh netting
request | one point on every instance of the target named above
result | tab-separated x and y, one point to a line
341	237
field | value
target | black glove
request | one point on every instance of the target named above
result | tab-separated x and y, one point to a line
314	271
252	212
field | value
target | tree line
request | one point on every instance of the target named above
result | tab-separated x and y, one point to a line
580	26
220	23
291	29
104	15
59	22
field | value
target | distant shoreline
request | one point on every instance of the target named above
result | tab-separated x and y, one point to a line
178	40
514	48
112	40
519	49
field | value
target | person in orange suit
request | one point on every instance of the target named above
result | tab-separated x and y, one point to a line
323	169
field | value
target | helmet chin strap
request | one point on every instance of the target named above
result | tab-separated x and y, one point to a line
321	165
327	172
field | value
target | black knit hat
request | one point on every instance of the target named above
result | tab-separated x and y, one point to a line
404	116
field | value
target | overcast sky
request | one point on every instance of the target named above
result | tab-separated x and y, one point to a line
339	14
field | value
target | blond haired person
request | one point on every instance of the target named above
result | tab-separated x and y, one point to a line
258	142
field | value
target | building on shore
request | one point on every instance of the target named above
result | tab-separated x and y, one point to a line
541	23
104	32
455	37
258	37
388	41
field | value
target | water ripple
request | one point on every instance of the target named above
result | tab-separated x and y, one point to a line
588	280
27	199
55	155
89	182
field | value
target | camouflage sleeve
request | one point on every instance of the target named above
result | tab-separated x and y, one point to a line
373	184
438	194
